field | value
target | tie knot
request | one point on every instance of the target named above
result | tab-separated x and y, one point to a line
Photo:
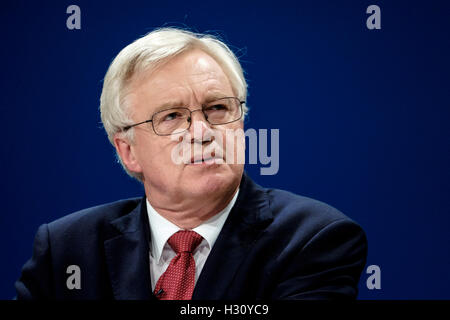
184	241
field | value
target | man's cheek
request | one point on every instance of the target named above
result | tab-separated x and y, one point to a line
176	154
235	146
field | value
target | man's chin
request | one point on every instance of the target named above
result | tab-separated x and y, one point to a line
211	181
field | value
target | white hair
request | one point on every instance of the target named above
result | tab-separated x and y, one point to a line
146	54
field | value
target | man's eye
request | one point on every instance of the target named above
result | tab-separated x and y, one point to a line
172	116
220	107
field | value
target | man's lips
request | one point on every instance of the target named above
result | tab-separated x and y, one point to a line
209	160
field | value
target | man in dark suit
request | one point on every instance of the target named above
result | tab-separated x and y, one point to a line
204	229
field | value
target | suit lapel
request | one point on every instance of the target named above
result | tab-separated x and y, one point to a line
127	256
249	216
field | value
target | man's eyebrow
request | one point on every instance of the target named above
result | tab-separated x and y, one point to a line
177	103
215	96
168	105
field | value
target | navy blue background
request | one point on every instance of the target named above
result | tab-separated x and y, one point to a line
363	117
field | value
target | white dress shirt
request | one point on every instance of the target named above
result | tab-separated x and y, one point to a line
162	229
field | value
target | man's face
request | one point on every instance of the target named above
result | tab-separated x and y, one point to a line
190	79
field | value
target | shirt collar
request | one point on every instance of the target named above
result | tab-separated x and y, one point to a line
162	229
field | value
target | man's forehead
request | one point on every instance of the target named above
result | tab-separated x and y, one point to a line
193	74
200	80
182	73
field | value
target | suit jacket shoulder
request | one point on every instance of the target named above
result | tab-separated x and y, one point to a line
94	217
83	239
295	214
320	252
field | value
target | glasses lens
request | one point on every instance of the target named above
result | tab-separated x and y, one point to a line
223	110
171	121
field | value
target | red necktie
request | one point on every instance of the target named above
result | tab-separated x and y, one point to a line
177	282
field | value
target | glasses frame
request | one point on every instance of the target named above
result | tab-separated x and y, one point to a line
189	119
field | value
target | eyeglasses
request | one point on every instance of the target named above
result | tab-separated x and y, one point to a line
177	120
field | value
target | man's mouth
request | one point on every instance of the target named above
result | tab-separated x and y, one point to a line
206	161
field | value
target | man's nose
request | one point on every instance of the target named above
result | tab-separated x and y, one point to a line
200	128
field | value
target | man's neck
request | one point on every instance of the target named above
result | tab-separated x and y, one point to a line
190	212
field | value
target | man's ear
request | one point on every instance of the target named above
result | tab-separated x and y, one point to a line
126	153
